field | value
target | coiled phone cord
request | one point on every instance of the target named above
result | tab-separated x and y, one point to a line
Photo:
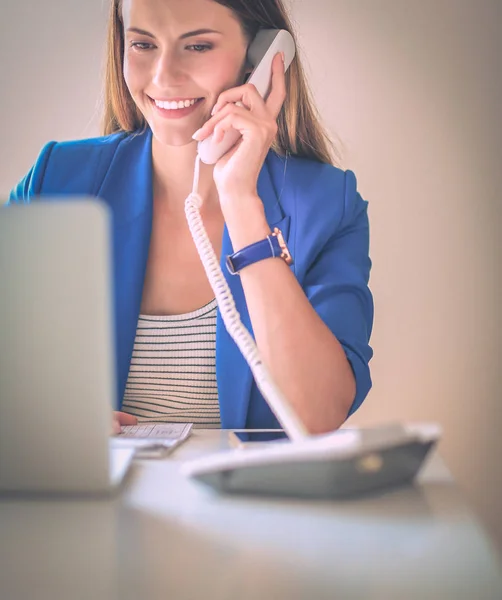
231	318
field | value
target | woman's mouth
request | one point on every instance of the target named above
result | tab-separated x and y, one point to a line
177	108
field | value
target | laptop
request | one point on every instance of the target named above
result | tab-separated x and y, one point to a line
57	351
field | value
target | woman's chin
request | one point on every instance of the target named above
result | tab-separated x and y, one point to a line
171	138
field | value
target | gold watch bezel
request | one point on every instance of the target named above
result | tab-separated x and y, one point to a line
285	253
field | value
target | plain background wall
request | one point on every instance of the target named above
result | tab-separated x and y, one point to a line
413	90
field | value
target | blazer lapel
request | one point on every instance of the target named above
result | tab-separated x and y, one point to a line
128	190
233	374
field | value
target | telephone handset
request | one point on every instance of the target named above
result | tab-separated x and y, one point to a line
261	52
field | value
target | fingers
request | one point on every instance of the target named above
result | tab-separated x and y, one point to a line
208	128
246	99
240	119
121	418
262	132
250	97
125	419
245	95
277	94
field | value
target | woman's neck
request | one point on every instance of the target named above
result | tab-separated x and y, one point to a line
173	174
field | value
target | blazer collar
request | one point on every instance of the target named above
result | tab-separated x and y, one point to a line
129	182
128	186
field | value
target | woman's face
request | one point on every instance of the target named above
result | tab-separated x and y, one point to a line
166	63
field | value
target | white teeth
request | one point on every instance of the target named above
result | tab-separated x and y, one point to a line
175	105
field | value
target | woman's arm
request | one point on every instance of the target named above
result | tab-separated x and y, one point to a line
306	360
306	333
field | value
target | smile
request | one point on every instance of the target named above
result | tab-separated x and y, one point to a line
176	109
176	104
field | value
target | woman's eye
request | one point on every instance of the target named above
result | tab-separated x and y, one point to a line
141	45
199	48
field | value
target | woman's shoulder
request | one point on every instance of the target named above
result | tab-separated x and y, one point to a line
311	189
70	166
315	169
78	147
314	176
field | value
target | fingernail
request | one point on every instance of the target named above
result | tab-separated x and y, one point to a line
214	111
195	136
283	57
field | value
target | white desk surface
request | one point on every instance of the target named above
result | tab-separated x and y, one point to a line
167	537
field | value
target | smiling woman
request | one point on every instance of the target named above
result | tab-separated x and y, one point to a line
169	64
163	58
299	130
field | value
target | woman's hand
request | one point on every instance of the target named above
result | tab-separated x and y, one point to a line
236	173
122	418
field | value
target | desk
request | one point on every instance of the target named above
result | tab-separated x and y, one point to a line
167	537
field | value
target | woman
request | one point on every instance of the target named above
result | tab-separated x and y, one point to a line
169	63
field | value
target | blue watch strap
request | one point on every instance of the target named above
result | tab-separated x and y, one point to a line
272	246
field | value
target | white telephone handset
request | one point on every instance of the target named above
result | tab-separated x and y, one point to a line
261	52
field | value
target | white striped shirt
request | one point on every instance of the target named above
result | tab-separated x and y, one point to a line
172	376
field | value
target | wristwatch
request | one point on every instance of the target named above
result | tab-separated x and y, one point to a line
273	246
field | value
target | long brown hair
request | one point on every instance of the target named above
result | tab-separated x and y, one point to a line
300	132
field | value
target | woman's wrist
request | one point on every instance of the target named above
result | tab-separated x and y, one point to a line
245	220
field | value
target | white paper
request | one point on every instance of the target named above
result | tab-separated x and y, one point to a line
152	440
164	431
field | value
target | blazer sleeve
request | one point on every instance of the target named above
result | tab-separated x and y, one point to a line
336	284
31	184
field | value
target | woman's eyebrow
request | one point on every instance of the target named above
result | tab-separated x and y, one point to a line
182	37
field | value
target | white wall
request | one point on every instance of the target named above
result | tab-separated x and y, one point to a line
51	58
414	91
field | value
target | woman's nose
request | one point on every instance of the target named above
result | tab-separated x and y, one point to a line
168	71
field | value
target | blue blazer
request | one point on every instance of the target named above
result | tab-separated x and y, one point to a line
317	207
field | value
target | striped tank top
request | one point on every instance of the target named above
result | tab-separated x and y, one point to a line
172	376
